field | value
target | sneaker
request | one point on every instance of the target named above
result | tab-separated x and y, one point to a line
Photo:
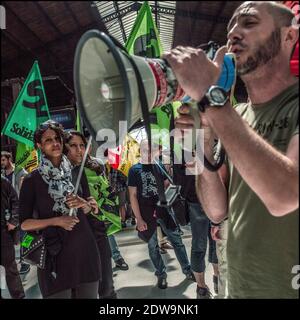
133	222
203	293
215	281
162	283
124	225
121	264
190	276
25	268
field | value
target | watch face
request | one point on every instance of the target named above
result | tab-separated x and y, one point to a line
217	95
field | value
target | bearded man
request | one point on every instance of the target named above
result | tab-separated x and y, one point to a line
261	139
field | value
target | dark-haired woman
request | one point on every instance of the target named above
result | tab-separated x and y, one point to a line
45	200
75	146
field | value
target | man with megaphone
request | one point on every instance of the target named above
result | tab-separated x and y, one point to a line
261	139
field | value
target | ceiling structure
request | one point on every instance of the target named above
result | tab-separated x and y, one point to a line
48	31
119	17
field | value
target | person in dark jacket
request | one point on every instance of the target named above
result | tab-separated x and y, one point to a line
9	223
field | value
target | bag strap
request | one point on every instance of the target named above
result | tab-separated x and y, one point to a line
164	171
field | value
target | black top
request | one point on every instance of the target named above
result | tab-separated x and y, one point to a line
77	260
187	183
141	176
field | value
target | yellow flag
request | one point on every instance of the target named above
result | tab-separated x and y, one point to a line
130	154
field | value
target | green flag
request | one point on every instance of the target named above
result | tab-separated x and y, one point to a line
144	39
30	109
108	201
78	122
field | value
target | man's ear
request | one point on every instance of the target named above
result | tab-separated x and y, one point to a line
39	145
291	36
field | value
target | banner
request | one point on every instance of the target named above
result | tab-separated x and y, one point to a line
30	109
26	157
130	155
108	202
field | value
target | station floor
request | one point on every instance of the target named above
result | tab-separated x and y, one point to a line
139	282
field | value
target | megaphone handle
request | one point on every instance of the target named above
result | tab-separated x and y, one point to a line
209	166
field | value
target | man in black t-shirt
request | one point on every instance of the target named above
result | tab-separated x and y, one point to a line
143	197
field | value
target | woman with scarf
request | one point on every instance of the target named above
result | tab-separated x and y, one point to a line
47	195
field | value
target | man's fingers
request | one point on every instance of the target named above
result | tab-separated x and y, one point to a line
219	57
184	109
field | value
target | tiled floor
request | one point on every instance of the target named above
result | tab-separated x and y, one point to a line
139	281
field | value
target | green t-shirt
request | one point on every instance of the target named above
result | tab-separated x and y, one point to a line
262	249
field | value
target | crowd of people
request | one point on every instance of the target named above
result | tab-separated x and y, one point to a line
246	212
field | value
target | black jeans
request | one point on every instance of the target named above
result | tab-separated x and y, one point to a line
106	284
12	276
200	227
82	291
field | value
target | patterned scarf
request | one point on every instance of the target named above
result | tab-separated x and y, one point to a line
59	181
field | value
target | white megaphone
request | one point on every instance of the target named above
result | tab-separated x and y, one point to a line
107	88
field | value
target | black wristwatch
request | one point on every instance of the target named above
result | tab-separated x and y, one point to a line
214	97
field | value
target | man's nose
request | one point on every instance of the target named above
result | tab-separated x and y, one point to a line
234	34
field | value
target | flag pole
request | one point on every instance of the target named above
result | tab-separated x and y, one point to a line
71	213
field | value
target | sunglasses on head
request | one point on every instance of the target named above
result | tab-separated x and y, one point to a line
49	124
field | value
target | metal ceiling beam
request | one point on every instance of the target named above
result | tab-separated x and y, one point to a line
133	7
116	6
213	28
194	21
16	43
46	17
166	11
68	8
156	17
25	27
95	14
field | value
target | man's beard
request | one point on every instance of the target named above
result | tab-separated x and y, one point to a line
263	54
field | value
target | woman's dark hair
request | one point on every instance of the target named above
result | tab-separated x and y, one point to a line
68	137
49	124
90	162
6	154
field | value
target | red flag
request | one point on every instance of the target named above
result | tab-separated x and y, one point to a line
294	6
114	157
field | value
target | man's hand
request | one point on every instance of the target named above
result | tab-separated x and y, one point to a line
141	225
66	222
93	203
193	70
186	121
215	233
10	226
